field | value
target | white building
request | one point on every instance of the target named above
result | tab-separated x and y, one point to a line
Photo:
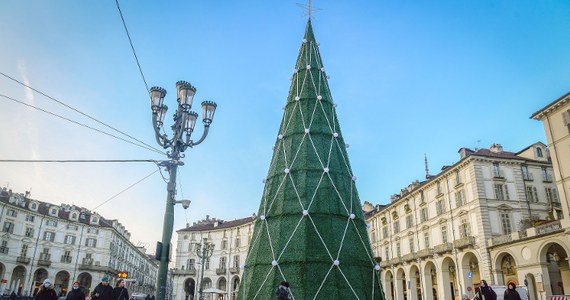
221	271
65	243
433	239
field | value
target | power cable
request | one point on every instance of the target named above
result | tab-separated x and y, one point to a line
132	47
78	160
78	111
148	147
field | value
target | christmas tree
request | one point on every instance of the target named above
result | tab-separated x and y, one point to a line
310	229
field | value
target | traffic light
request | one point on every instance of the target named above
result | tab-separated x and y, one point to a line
123	274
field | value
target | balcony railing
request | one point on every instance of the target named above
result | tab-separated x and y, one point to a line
425	252
442	248
190	272
502	239
409	257
45	260
395	261
464	242
384	264
221	271
234	270
546	177
23	260
548	228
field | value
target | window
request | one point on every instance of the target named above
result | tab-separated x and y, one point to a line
496	170
44	255
506	222
53	211
93	230
459	198
49	236
552	195
426	239
566	119
207	263
409	221
29	218
439	190
501	191
66	257
190	247
8	227
191	264
385	232
238	242
398	249
387	253
4	247
34	206
74	216
51	223
396	226
444	234
29	232
72	227
69	239
91	242
440	207
185	236
464	228
24	251
222	262
539	152
224	244
531	193
423	214
11	213
525	173
236	261
193	236
412	248
457	177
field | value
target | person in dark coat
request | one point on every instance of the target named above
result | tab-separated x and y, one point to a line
76	293
283	292
485	292
46	292
13	296
511	292
120	292
103	291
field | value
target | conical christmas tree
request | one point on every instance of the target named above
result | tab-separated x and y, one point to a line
310	229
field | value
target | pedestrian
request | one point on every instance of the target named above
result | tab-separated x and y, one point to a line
103	291
46	291
283	292
485	292
120	292
76	293
511	292
13	296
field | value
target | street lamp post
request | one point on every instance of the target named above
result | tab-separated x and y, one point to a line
204	251
184	123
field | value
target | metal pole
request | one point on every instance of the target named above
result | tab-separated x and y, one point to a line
203	258
172	166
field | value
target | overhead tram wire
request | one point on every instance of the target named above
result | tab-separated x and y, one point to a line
132	46
78	160
144	145
149	147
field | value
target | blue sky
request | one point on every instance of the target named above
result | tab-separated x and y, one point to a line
409	77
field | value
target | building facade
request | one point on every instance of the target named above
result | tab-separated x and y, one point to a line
64	243
221	272
433	239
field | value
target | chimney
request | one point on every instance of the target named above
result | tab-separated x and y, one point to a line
496	148
464	152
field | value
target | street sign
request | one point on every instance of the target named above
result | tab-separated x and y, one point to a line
470	275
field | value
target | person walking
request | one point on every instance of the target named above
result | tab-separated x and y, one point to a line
283	292
511	292
103	291
485	292
76	293
46	291
120	292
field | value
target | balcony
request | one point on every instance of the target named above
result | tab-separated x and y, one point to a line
66	259
545	229
442	248
23	260
221	271
425	253
187	272
409	257
45	260
464	242
4	250
395	261
385	264
546	177
234	270
548	228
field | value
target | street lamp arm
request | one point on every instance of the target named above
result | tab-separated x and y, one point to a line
204	134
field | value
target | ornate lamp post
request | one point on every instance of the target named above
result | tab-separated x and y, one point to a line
184	123
204	251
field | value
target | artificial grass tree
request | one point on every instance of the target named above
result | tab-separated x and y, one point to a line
310	229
